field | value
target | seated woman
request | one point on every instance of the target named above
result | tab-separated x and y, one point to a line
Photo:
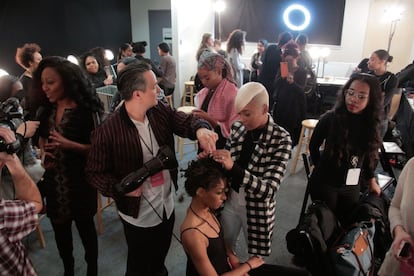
377	63
201	232
350	132
216	100
95	71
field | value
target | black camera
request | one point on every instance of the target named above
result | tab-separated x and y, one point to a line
11	116
165	159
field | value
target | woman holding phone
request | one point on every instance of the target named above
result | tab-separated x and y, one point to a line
399	259
289	103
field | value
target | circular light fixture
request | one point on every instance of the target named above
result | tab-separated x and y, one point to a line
109	55
325	52
306	14
73	59
3	73
314	52
219	6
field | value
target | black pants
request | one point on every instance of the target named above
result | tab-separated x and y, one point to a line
148	247
341	200
64	242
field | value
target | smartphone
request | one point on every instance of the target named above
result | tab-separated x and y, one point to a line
405	250
284	69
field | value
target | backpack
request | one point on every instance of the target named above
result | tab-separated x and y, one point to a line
311	239
354	254
373	207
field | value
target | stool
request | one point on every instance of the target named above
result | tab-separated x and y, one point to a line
307	125
169	100
180	140
188	96
39	231
107	203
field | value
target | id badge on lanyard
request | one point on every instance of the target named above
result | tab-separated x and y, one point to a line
352	177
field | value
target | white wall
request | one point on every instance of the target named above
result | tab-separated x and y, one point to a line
190	19
139	18
402	46
353	37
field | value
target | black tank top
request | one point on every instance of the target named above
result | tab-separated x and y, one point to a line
216	252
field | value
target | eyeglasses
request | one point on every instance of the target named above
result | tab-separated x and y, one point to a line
351	93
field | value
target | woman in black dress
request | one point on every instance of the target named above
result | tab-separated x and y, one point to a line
68	108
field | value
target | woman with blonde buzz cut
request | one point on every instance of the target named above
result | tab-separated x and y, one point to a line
255	158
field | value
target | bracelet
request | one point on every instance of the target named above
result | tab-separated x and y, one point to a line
249	265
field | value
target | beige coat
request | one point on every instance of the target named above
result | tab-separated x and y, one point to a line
401	213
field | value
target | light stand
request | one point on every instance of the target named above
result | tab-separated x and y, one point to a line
393	15
393	27
314	52
219	6
317	67
219	25
324	54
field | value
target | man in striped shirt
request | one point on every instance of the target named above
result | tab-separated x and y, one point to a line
128	139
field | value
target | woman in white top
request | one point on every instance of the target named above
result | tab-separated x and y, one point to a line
235	45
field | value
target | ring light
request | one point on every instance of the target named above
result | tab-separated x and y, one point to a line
300	8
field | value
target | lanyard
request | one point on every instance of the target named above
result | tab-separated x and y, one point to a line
150	149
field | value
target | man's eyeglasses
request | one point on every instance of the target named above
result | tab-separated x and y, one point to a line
359	96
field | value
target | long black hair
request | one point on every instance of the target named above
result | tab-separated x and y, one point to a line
76	85
236	41
371	116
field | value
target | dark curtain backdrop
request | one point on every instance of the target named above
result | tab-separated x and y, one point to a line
264	19
62	27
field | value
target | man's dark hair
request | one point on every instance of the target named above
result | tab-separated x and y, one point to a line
132	78
164	47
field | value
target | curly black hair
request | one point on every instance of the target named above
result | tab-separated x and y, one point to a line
24	55
76	85
371	116
203	173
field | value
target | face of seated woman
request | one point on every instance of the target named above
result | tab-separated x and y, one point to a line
91	65
210	79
